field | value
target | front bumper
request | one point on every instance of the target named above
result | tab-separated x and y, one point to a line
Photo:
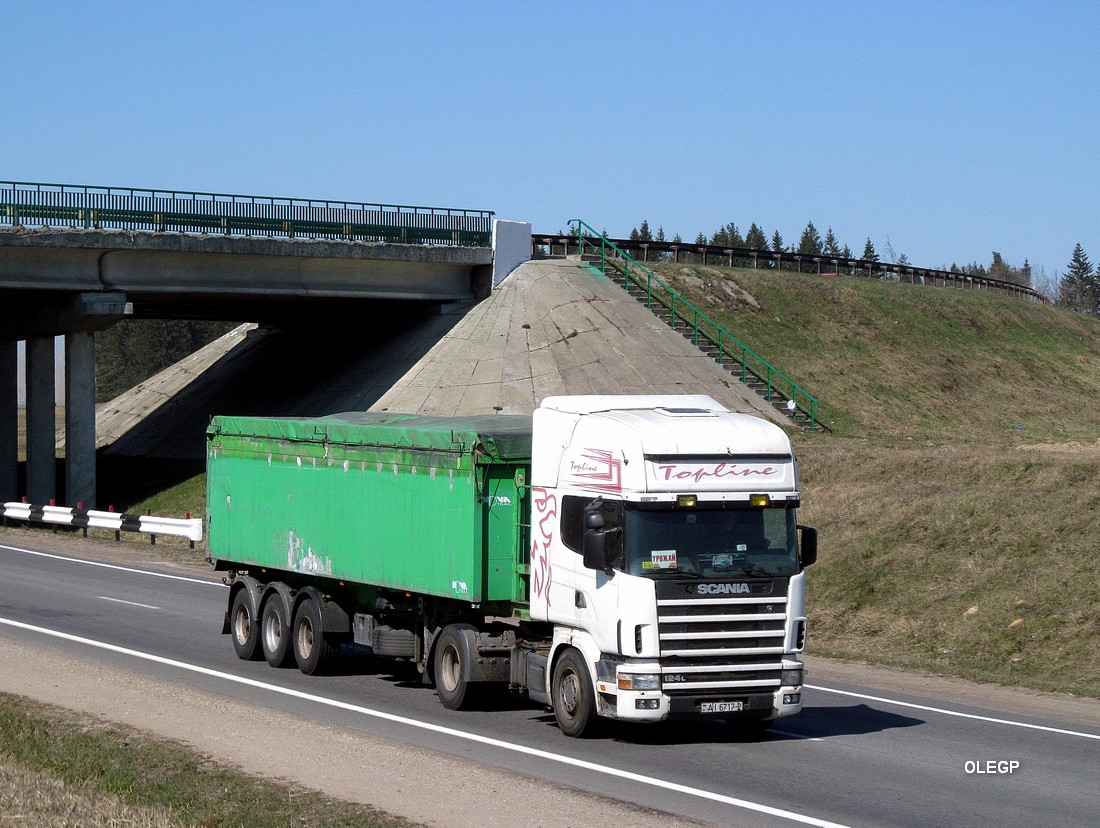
656	706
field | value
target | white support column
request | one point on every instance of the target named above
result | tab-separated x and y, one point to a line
80	461
41	422
511	247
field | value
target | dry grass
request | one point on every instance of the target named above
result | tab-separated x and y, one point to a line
965	560
59	768
37	798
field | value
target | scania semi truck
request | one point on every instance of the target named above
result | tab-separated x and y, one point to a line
629	557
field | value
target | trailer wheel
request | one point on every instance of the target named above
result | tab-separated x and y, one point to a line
243	627
275	632
312	651
452	665
572	696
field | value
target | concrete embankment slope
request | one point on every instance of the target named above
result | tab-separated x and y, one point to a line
553	327
557	327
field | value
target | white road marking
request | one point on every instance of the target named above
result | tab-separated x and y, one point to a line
946	712
128	603
115	567
459	734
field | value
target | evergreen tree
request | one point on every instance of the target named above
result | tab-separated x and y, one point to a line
869	253
777	242
1000	270
755	238
832	246
1080	290
644	233
810	243
701	238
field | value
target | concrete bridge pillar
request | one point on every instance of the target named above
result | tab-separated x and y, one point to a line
80	462
9	421
38	321
41	422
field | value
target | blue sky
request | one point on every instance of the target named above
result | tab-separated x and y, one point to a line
947	130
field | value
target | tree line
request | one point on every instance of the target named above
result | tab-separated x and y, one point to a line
1077	289
134	349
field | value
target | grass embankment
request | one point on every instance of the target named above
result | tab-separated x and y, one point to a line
57	769
958	496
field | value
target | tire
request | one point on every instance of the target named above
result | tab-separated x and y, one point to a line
572	696
391	643
243	627
452	649
313	652
275	632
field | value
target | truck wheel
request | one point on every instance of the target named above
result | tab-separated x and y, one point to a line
572	696
243	627
452	654
275	632
313	653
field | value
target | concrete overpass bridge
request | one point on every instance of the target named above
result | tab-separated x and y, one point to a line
74	260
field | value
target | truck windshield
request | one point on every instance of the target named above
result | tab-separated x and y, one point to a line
710	543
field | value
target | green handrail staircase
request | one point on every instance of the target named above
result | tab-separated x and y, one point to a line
681	315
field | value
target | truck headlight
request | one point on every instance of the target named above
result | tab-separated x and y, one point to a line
790	678
639	681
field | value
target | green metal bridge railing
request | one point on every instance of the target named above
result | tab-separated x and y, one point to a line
95	208
703	328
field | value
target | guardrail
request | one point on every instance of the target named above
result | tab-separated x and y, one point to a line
812	263
29	204
730	348
79	518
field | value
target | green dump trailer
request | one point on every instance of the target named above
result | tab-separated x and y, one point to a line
430	506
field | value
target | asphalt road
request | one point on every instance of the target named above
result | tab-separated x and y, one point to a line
857	755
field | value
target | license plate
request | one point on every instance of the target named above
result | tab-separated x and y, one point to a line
721	707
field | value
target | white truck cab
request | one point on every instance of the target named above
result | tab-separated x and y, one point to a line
666	553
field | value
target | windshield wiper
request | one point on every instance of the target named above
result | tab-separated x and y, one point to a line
758	572
672	573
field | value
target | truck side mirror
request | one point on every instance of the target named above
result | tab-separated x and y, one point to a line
594	543
808	545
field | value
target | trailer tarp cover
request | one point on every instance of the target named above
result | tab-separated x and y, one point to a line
500	436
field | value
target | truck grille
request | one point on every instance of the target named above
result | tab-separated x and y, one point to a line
721	643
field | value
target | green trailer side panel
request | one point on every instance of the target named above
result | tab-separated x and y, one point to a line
429	506
505	531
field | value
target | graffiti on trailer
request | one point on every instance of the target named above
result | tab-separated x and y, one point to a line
596	469
545	518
